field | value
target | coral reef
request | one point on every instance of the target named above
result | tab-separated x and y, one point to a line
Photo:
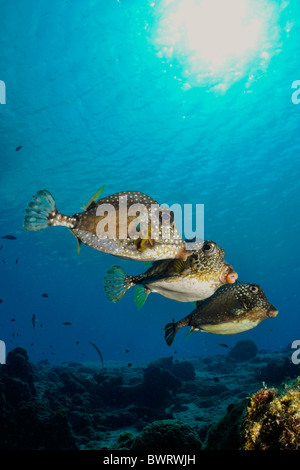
85	406
167	436
124	441
272	420
27	422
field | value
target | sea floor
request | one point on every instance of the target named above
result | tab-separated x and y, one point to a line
88	405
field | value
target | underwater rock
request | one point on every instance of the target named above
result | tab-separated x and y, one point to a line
272	419
167	436
16	390
32	425
156	389
225	435
72	383
157	385
163	362
116	419
277	371
161	377
244	350
18	367
203	389
124	441
184	370
110	390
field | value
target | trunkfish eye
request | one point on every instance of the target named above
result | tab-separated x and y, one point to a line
253	289
209	248
167	217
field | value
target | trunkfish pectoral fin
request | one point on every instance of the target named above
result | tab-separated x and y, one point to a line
179	265
140	296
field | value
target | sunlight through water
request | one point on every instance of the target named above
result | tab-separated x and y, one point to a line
215	42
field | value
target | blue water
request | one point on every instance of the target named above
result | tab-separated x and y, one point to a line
91	101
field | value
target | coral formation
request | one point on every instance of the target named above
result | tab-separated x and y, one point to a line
84	406
272	420
124	441
167	436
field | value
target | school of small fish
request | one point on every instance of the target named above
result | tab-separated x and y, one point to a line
224	305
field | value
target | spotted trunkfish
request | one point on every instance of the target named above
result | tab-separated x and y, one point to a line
198	277
232	309
127	239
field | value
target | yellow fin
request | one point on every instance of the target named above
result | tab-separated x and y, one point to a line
78	245
191	331
78	242
179	265
145	243
94	198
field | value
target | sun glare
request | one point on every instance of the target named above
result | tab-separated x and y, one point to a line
215	41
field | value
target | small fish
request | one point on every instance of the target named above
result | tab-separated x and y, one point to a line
13	319
77	342
1	301
204	270
45	295
233	308
127	350
66	323
9	237
19	148
129	364
98	351
224	345
17	261
1	247
33	320
130	236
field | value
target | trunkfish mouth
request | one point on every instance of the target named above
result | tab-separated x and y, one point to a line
228	276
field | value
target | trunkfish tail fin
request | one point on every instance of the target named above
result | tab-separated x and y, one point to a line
116	283
42	213
170	332
140	296
172	328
